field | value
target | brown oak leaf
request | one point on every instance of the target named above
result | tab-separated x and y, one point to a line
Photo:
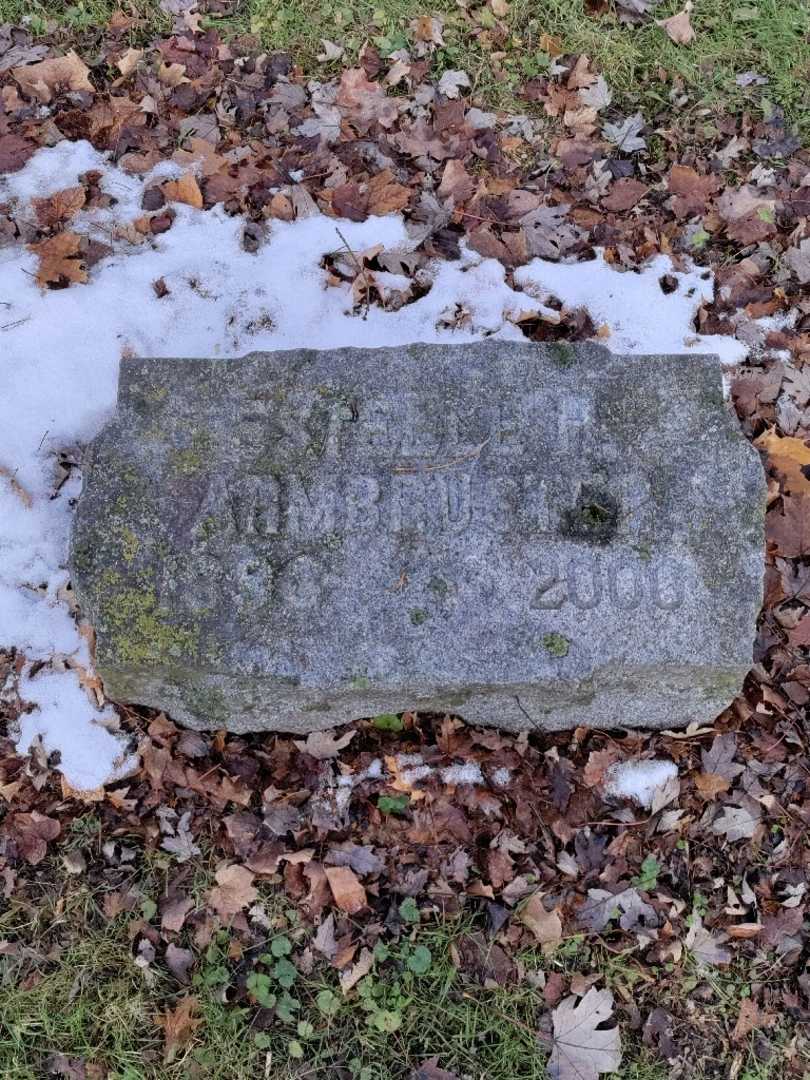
347	889
50	77
60	261
178	1026
790	457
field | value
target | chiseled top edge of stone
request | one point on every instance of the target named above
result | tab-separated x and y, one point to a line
562	356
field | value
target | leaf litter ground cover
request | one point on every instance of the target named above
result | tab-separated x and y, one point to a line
155	202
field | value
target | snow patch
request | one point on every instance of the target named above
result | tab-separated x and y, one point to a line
66	723
639	780
469	773
61	351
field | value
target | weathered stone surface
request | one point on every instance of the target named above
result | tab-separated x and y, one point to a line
528	536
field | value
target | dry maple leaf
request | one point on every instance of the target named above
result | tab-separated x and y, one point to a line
185	190
53	76
59	207
349	894
178	1026
678	27
233	892
60	261
581	1050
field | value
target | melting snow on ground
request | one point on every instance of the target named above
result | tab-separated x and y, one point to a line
640	780
61	350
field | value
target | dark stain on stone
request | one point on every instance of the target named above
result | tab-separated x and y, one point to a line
594	518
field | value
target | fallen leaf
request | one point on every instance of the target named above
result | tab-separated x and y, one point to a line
624	194
363	102
738	822
545	925
172	75
129	61
678	27
710	785
453	82
790	530
456	182
14	152
185	190
354	974
751	1018
49	77
233	892
179	1025
797	258
59	207
174	913
331	51
323	745
581	1050
691	190
347	889
719	758
18	55
32	833
178	961
60	261
385	195
707	945
790	457
625	136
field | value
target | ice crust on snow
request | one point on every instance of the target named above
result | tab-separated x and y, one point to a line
61	351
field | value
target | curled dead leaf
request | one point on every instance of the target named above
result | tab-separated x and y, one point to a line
678	27
51	77
184	190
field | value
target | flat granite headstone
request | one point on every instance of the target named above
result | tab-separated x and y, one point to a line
525	535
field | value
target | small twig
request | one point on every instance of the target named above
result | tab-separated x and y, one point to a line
12	325
360	270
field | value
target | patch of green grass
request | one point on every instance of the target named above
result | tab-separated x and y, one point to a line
73	987
770	37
